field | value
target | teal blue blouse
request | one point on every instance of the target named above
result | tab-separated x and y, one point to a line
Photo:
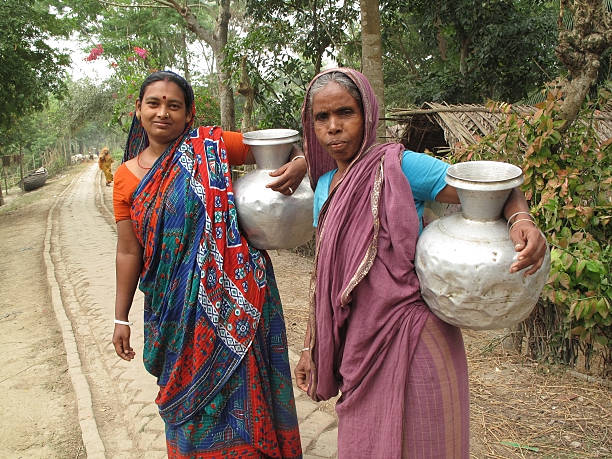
425	173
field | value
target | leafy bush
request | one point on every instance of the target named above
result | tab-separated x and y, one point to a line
568	182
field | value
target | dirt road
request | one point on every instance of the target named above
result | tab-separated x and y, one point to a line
65	394
57	287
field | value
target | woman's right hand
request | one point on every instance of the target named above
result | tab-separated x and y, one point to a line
121	341
302	371
289	175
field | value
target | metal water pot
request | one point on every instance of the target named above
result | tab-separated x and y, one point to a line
269	219
463	260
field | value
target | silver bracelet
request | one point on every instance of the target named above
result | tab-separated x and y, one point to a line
522	220
305	349
298	156
123	322
514	215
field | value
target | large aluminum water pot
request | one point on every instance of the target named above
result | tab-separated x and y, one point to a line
269	219
463	260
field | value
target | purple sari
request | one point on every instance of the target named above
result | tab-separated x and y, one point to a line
367	314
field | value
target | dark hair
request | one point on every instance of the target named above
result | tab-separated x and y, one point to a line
338	78
175	78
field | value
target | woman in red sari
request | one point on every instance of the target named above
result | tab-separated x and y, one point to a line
402	371
214	329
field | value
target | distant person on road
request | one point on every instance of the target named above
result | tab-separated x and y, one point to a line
213	322
402	372
105	161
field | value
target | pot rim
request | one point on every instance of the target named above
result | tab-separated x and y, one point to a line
271	137
489	175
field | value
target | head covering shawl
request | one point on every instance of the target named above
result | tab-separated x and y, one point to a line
367	227
319	162
204	287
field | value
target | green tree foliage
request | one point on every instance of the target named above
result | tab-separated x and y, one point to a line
119	30
467	52
286	44
30	68
278	84
310	30
85	103
78	123
163	28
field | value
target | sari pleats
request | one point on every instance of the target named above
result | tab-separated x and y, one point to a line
437	403
261	385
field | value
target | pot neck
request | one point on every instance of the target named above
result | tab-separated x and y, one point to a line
482	205
265	159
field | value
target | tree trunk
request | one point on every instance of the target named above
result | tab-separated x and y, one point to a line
1	196
318	63
226	96
247	90
67	149
465	52
442	44
217	41
21	169
184	56
371	56
580	50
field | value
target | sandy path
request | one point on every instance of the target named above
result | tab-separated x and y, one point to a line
65	390
39	416
82	249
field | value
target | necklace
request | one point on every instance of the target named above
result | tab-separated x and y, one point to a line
140	165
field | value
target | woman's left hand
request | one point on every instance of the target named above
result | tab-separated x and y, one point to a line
530	244
289	175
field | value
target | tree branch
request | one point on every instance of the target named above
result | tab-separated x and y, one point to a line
161	4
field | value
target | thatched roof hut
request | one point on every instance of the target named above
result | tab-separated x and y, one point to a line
440	127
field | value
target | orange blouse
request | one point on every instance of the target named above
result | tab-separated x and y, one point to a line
126	182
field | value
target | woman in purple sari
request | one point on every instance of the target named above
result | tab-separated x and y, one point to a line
402	372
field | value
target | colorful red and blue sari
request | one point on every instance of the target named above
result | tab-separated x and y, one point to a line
214	328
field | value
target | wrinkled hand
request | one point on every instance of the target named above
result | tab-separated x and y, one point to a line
121	341
302	371
289	175
530	244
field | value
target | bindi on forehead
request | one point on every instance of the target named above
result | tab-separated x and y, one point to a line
164	97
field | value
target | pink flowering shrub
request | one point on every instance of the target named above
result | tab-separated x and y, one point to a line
95	52
141	52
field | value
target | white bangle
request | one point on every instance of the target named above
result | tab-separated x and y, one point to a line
522	220
298	156
305	349
123	322
514	215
